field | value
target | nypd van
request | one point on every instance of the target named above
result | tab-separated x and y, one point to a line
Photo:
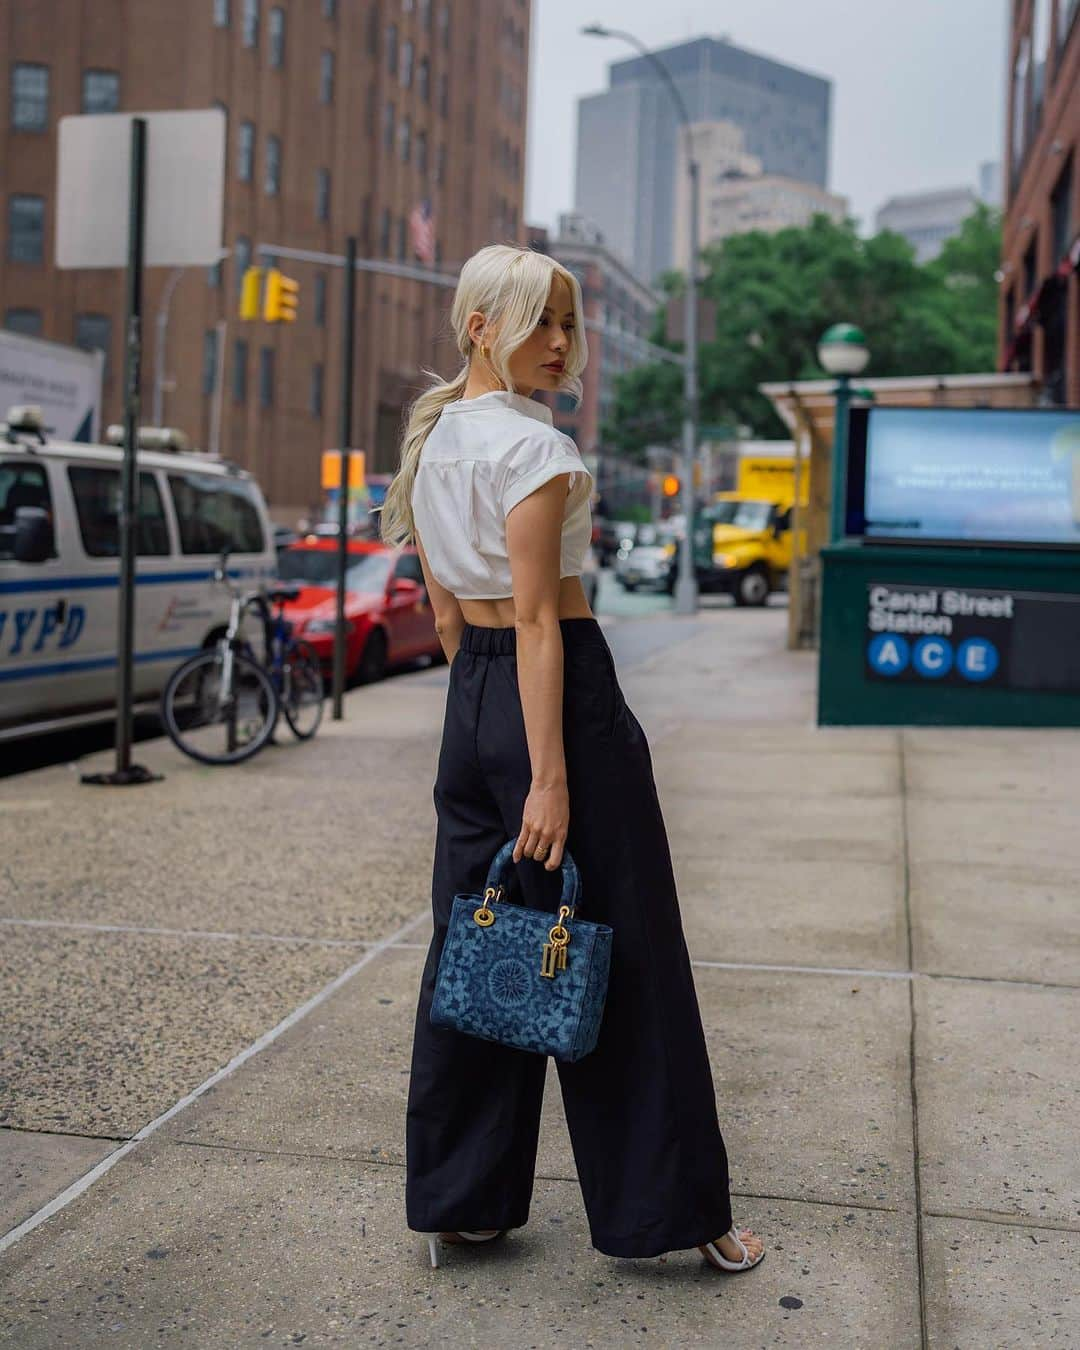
60	566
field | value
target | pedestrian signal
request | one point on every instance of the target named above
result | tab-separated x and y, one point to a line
282	295
249	293
671	485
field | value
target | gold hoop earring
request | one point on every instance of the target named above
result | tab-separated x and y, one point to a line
484	352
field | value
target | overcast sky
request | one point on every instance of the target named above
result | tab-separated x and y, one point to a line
918	85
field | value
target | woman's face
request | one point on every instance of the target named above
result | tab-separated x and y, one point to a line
540	361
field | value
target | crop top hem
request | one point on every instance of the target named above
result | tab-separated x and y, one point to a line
506	595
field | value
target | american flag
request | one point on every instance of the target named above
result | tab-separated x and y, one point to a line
422	231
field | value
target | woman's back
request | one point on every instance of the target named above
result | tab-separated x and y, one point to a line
483	456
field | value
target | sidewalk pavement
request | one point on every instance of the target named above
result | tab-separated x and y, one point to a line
210	986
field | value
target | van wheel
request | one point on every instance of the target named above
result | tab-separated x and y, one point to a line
753	586
372	664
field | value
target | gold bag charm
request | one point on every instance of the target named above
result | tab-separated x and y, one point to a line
554	952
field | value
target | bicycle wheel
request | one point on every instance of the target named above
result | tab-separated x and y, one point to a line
302	689
215	725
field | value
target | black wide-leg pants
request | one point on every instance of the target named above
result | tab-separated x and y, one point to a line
640	1107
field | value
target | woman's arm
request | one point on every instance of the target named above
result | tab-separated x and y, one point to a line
534	544
449	620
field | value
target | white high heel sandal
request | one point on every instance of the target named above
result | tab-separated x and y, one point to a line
715	1257
460	1235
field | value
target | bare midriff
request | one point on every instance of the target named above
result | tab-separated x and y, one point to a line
501	613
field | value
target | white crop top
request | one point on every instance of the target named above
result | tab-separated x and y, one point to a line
482	457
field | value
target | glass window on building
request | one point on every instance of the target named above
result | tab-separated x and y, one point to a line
401	239
405	67
29	97
425	15
317	389
240	370
384	233
1061	211
440	164
25	321
272	181
277	37
266	377
245	152
444	96
405	140
221	13
391	49
320	300
97	494
241	260
209	360
93	333
326	77
250	25
1031	265
329	9
388	126
423	79
322	194
444	26
100	91
421	151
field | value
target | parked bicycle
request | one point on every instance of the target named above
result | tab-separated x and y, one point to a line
222	705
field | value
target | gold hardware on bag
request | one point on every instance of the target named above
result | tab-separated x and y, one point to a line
554	951
484	917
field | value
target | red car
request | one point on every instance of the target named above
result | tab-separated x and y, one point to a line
388	617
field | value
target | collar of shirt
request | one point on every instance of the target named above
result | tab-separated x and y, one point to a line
503	398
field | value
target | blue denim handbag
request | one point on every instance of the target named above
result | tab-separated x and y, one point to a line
523	977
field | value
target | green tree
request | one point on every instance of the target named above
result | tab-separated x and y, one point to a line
775	294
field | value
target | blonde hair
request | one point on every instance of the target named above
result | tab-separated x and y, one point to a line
510	286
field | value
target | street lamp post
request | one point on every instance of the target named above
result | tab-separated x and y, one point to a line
686	587
843	352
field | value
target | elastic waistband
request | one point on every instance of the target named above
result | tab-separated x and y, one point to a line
499	641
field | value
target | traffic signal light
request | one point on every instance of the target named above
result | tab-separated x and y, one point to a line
671	485
282	294
249	293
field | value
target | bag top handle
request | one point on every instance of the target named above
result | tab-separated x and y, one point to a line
571	878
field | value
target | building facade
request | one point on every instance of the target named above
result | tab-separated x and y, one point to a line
736	195
628	137
619	314
1040	267
927	219
343	116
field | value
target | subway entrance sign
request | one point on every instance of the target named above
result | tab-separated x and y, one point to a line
954	597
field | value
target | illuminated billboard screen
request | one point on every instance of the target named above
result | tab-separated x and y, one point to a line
965	475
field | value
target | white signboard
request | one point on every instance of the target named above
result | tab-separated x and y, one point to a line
185	189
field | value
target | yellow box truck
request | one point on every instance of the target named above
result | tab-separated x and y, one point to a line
742	540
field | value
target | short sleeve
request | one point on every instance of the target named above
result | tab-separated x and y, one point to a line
532	463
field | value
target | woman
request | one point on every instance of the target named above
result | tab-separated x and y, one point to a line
538	742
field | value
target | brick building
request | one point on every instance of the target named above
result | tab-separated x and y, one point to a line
342	116
1040	289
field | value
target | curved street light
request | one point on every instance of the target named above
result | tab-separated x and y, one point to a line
686	588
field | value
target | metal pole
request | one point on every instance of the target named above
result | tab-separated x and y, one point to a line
838	500
345	441
124	771
686	587
221	330
162	324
